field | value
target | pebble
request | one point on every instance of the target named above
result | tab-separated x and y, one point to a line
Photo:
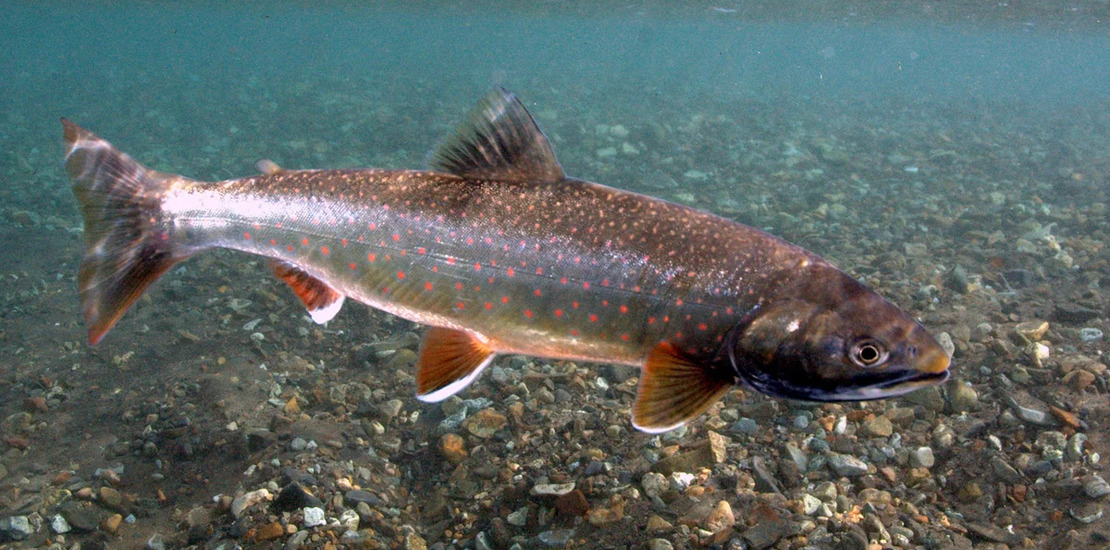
745	425
552	489
59	524
963	398
656	524
704	454
603	517
1090	334
246	500
453	448
485	423
847	465
1096	487
659	544
15	528
654	484
518	517
922	457
269	531
313	516
156	542
111	523
880	426
572	504
720	518
810	504
556	538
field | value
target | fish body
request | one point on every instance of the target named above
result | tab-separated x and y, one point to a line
499	252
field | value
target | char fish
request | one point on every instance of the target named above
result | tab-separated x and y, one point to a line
499	252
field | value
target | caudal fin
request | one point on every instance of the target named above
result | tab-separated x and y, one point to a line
127	245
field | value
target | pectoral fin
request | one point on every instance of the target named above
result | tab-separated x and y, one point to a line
449	361
673	390
321	300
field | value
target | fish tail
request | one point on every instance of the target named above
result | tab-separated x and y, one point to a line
127	241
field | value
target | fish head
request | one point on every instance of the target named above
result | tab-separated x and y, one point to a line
835	340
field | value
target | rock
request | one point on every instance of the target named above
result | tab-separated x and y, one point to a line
415	542
654	484
259	439
59	525
704	454
156	542
572	504
847	465
485	423
556	538
603	517
518	517
269	531
922	457
764	534
660	544
452	447
720	518
963	398
617	374
1075	313
356	496
246	500
314	516
111	524
293	497
1066	418
956	280
810	504
390	409
81	516
931	398
1096	487
880	426
656	524
551	489
110	497
970	493
15	528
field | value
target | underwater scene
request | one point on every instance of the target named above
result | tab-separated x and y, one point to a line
473	347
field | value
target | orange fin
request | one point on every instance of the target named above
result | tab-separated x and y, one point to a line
321	300
449	361
673	390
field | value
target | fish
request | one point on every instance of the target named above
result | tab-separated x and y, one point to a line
499	252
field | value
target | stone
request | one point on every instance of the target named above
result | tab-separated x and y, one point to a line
880	426
452	447
15	528
390	409
111	524
110	497
156	542
603	517
485	423
656	524
59	524
551	489
660	544
764	534
922	457
1096	487
246	500
269	531
82	517
415	542
358	495
963	398
847	465
572	504
292	497
704	454
654	484
518	517
556	538
314	516
720	518
810	504
931	398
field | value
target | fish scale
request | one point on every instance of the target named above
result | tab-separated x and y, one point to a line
499	252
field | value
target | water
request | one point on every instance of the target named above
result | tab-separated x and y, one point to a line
900	141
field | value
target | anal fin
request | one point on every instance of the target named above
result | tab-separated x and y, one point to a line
674	390
449	361
321	300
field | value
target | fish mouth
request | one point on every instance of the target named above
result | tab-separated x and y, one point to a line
864	387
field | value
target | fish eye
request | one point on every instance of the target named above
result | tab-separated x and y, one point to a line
867	352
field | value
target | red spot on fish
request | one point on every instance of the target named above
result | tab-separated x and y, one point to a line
289	247
504	299
489	305
450	261
477	266
605	282
273	242
371	256
586	285
702	326
460	305
537	292
624	337
574	332
373	226
651	320
428	286
421	250
593	318
728	310
678	302
563	280
458	286
678	336
246	236
624	309
396	237
304	241
574	305
510	272
528	313
324	250
558	313
539	270
469	240
343	242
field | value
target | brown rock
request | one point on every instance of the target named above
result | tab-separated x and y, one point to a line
1079	380
656	524
292	407
485	423
704	454
720	518
111	497
111	524
603	517
880	426
1065	417
35	404
269	531
572	504
453	448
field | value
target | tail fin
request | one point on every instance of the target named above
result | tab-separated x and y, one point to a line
127	245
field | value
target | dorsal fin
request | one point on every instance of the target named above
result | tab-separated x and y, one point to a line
674	390
499	141
321	300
